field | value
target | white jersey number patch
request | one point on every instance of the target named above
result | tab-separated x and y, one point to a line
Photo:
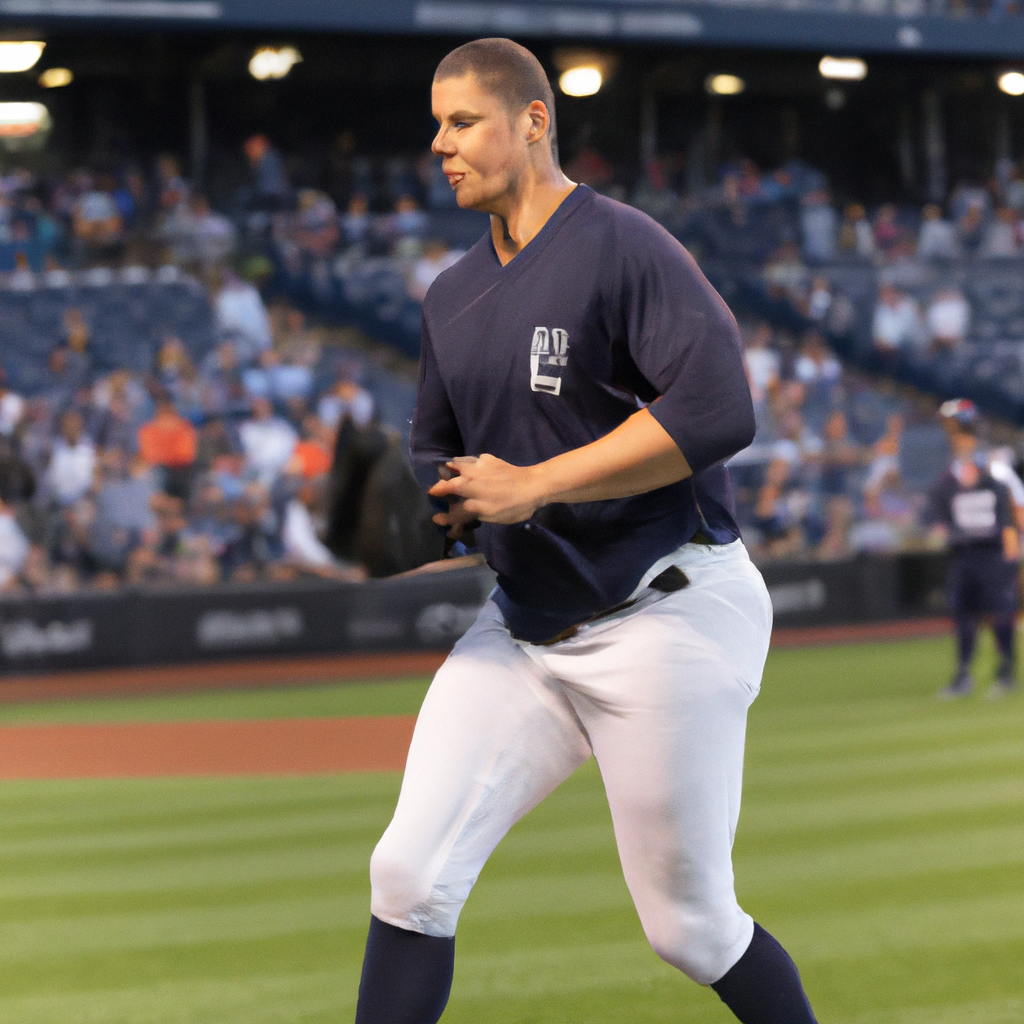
975	511
549	355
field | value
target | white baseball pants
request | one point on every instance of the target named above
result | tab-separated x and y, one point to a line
658	693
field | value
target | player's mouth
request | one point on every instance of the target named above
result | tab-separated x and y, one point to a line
454	177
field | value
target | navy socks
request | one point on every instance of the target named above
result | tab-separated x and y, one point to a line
1003	627
763	986
966	637
406	976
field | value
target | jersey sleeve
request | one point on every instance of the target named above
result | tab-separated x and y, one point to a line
1004	505
936	507
435	435
686	343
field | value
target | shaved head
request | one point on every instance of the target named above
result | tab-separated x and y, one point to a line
505	70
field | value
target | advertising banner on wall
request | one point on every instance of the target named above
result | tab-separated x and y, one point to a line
430	612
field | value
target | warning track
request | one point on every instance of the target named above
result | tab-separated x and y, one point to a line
294	746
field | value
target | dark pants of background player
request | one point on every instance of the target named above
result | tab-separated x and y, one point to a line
982	582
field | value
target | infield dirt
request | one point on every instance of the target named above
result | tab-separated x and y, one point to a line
297	746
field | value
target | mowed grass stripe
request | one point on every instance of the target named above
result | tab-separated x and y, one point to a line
250	999
28	806
344	700
880	839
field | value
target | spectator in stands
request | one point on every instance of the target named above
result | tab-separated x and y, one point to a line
12	408
891	510
971	229
268	441
838	517
239	314
969	196
271	190
819	299
886	229
317	222
314	452
279	380
761	361
948	319
797	445
856	237
177	375
223	390
14	547
97	222
117	408
816	365
78	361
434	260
196	234
168	442
123	512
403	229
786	274
937	237
897	321
346	401
302	544
72	466
172	190
840	456
1001	237
778	513
17	481
1013	188
255	541
357	222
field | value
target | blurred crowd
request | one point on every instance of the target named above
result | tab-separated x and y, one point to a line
266	461
841	463
266	457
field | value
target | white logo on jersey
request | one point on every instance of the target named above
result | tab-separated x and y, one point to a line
975	511
549	354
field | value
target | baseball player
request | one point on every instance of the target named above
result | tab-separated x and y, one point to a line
580	386
974	513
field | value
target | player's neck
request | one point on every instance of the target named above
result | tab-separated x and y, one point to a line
527	210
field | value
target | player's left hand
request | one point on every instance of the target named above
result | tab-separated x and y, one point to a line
488	489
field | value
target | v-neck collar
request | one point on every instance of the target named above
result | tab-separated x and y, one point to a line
539	240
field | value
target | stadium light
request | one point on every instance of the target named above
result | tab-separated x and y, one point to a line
20	120
849	69
724	85
55	78
581	81
19	55
1012	83
273	62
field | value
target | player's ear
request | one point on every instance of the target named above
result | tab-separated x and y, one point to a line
537	121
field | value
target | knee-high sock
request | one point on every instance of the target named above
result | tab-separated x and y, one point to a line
1003	627
406	976
966	635
763	986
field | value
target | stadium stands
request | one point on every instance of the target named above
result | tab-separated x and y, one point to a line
243	411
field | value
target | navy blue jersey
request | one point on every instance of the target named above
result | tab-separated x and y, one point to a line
973	516
601	313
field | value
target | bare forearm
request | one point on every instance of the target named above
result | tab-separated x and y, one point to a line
636	457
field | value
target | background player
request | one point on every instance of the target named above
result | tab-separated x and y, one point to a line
975	515
628	621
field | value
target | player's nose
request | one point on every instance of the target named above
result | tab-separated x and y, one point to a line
442	145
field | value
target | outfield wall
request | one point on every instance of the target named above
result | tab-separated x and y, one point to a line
160	627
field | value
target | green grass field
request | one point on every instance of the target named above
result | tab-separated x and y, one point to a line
882	840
